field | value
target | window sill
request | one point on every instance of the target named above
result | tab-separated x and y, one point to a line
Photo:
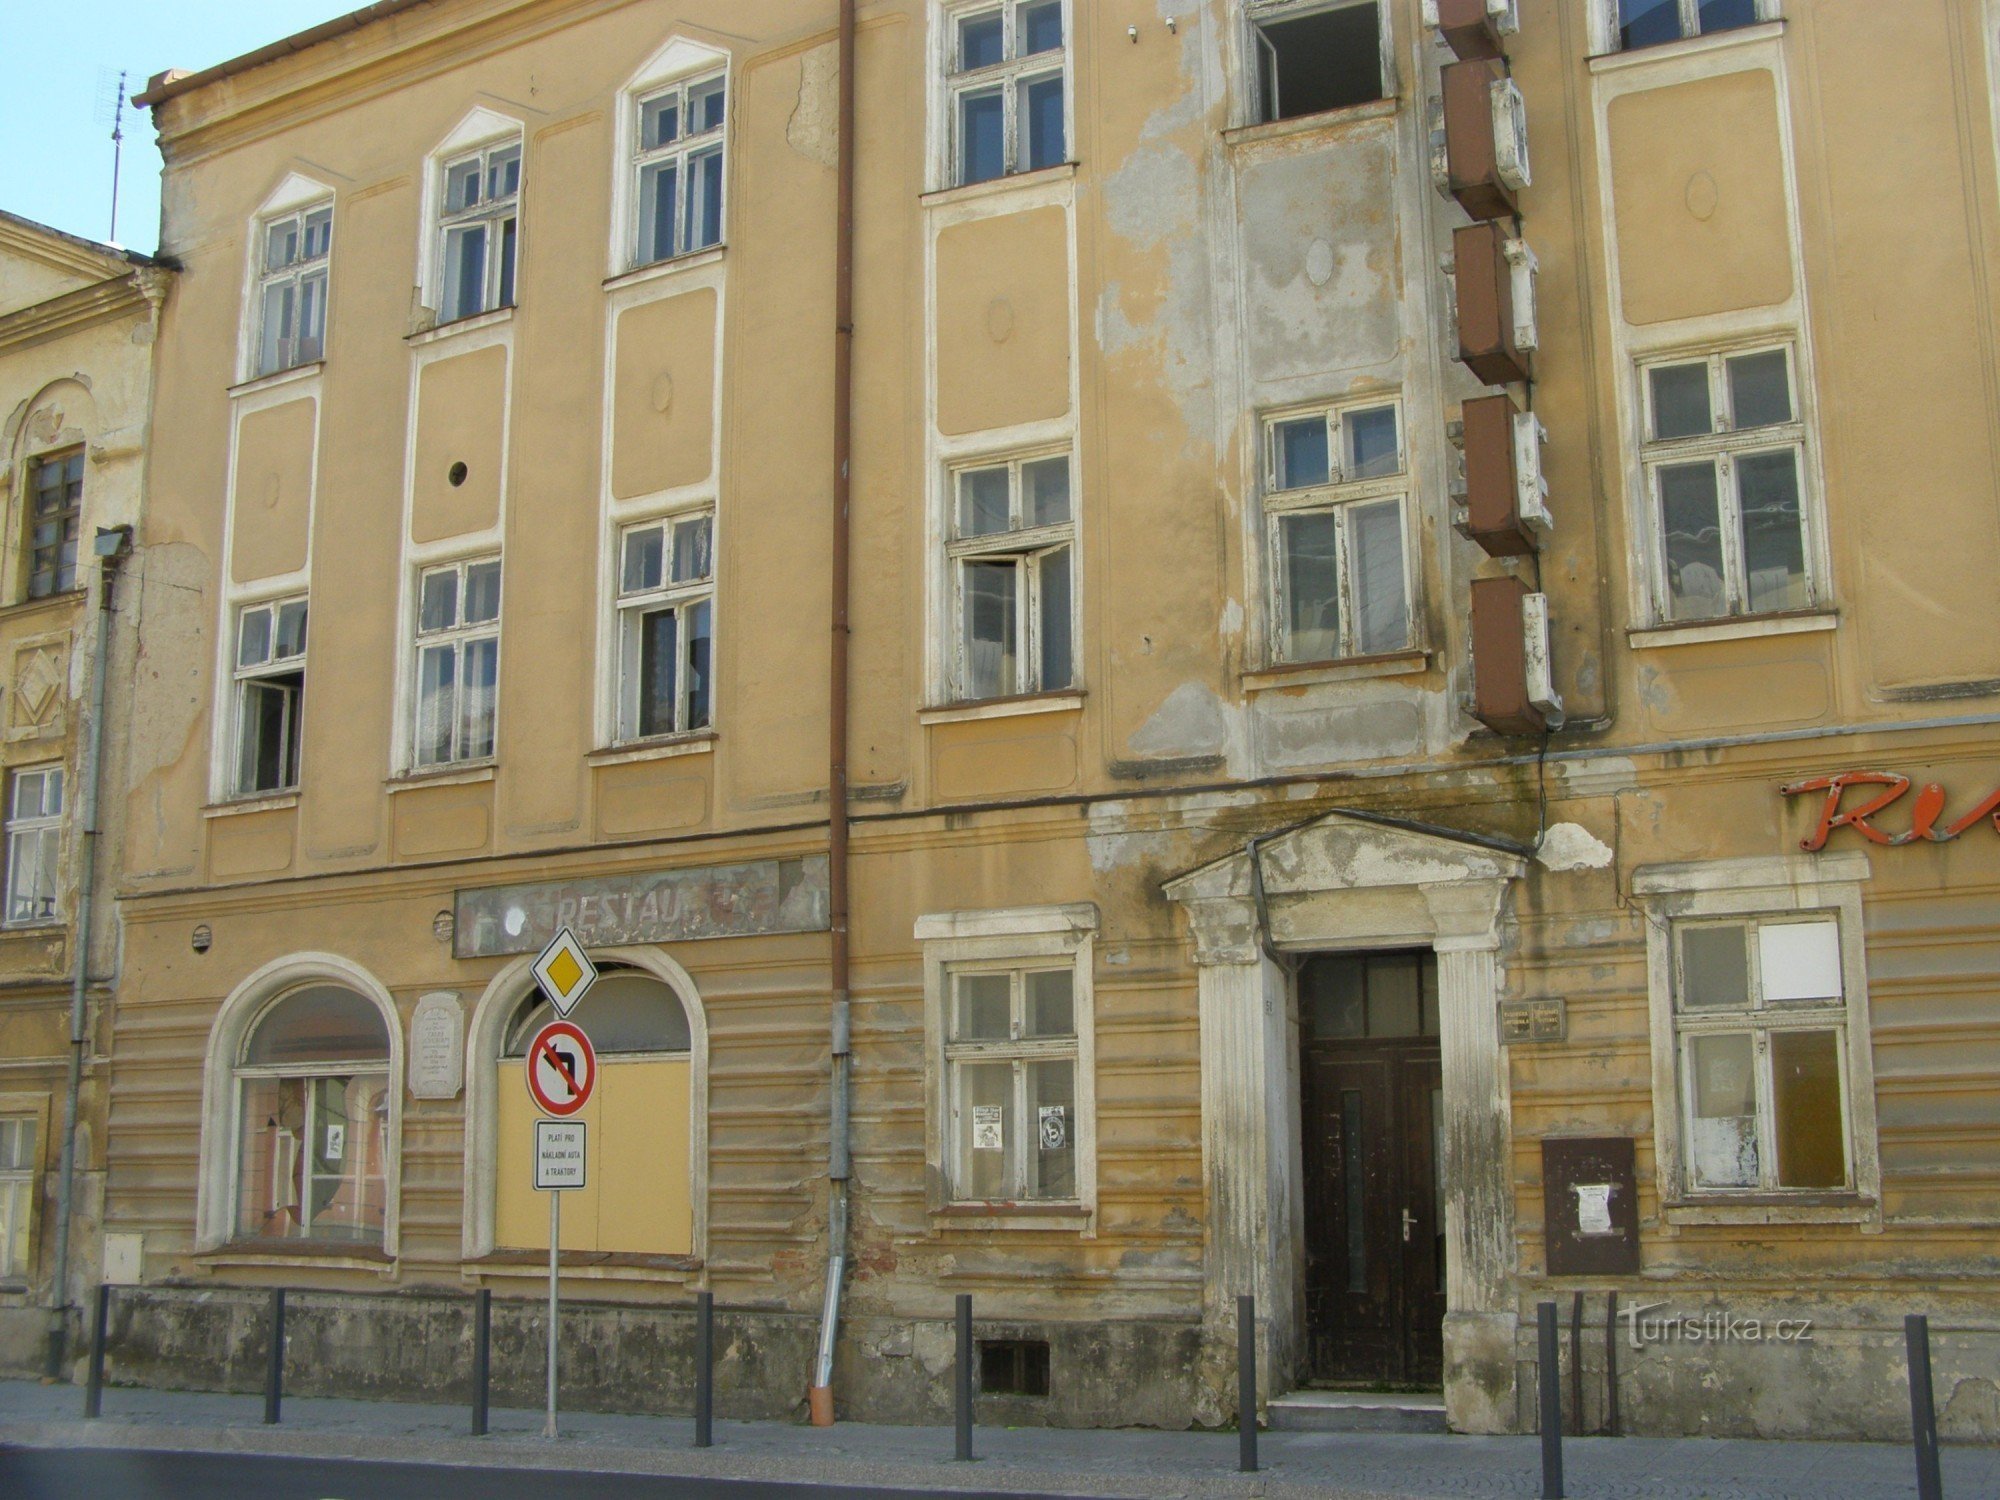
330	1255
1744	627
25	932
1332	119
470	774
1002	708
296	375
583	1265
1690	46
994	187
1775	1208
1071	1218
1309	674
661	269
236	807
700	743
62	599
452	330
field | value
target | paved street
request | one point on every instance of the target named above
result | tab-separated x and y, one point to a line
169	1444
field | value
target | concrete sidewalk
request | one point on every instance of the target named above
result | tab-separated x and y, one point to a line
1160	1465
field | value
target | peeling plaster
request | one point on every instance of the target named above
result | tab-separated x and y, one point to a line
814	128
1571	846
1193	721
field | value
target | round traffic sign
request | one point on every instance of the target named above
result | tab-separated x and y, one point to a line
562	1069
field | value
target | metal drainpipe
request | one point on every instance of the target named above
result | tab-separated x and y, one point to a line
819	1397
93	747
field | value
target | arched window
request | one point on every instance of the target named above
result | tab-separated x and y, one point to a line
312	1090
637	1198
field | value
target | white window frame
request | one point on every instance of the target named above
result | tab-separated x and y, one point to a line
20	1190
1011	939
34	832
1605	25
310	1073
681	152
1254	44
297	276
494	213
1766	890
682	597
1339	496
1028	546
456	637
1007	75
1723	446
245	681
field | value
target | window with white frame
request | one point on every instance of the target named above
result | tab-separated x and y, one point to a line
1726	472
291	292
1648	23
270	695
1007	88
678	163
479	231
1011	552
34	846
55	519
1336	505
457	661
666	626
1010	1058
19	1164
1760	1030
1312	56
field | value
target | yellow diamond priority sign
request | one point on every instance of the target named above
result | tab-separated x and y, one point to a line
565	972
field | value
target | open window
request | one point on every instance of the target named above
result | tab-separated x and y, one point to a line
666	626
1311	57
1011	552
270	695
479	230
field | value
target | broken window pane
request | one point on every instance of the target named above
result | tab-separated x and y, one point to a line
1691	515
1326	59
1312	585
1056	667
1760	389
1774	544
1301	453
1715	968
982	502
1646	23
982	135
991	667
1799	961
1723	1142
1381	593
1681	401
1806	1116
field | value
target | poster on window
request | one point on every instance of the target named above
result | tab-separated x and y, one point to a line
336	1142
987	1132
1055	1127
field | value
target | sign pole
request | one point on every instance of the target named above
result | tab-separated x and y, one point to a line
555	1237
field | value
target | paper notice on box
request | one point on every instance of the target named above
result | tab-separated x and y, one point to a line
1593	1208
988	1134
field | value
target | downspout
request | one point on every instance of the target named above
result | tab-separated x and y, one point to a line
111	545
838	1169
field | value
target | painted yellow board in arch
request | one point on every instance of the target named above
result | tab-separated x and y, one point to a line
636	1200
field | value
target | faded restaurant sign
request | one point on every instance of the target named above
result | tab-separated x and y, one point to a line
661	906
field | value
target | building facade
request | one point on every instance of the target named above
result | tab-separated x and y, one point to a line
77	324
1381	534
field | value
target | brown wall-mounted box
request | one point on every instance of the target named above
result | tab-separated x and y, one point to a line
1494	515
1590	1206
1471	149
1500	658
1469	28
1485	283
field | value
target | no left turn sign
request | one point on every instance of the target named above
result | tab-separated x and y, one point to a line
562	1069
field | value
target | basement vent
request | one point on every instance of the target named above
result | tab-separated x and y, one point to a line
1014	1367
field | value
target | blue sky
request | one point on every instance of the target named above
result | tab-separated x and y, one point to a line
55	145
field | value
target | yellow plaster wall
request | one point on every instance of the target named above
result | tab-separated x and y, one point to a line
461	417
1003	325
663	427
275	461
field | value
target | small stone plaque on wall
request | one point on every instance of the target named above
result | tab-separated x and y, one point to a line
437	1047
1533	1021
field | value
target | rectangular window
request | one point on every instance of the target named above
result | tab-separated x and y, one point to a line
1312	57
270	695
679	162
1336	501
1648	23
666	626
1011	1064
1011	553
1008	88
34	846
1761	1017
480	228
457	662
1727	479
55	516
18	1170
291	296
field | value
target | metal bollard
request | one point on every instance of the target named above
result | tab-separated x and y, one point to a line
482	1358
93	1396
962	1378
704	1370
1923	1407
274	1372
1246	1385
1549	1389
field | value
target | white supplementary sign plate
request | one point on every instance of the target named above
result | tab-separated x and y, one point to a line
559	1155
565	972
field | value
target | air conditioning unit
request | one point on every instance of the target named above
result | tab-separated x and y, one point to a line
1473	28
1522	270
1495	336
1480	107
1506	498
1513	682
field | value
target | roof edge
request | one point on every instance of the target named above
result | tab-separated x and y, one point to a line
76	246
175	81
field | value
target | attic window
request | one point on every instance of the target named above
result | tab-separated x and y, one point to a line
1311	59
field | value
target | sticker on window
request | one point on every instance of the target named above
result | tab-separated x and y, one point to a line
1055	1127
987	1133
336	1142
